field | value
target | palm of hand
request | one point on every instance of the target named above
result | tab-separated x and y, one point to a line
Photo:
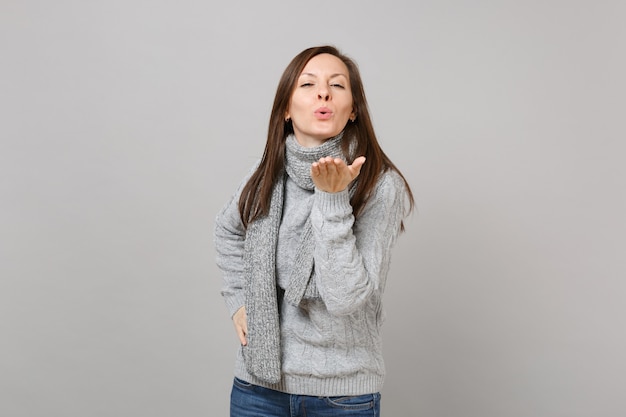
333	175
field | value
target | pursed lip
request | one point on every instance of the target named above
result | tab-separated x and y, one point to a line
323	113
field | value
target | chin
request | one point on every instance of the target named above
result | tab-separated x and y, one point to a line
329	134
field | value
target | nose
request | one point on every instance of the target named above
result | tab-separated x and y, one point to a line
323	94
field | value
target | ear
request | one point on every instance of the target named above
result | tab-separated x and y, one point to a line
353	115
287	116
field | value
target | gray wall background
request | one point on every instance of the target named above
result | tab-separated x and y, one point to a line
126	125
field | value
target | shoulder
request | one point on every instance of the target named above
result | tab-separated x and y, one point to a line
390	183
242	183
389	194
253	169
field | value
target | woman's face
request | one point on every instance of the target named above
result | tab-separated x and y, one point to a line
321	103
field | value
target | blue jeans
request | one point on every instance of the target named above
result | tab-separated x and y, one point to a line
247	400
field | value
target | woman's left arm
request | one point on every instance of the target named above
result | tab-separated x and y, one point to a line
351	256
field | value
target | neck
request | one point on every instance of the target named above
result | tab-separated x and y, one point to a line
299	158
311	142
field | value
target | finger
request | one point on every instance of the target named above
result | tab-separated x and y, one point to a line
241	325
242	330
315	169
355	168
323	166
328	160
242	336
333	166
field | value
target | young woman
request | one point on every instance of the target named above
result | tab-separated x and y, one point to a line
304	246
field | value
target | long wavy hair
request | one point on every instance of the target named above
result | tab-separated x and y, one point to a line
256	194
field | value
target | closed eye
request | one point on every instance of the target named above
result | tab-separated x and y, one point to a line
337	85
306	85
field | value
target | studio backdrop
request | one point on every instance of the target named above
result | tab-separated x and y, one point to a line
126	125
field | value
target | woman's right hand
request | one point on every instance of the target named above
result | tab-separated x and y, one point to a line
333	175
240	321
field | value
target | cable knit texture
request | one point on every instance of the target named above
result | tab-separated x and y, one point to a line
328	339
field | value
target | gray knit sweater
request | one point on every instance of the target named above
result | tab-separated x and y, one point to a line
331	345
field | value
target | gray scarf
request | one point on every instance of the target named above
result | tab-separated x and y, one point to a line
262	353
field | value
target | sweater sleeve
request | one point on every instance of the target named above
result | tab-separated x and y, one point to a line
229	239
352	257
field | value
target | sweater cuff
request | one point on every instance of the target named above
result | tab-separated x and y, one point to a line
334	202
234	302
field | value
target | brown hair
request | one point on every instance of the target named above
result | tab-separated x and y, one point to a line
256	194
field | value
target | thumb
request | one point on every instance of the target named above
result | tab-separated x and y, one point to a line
355	168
